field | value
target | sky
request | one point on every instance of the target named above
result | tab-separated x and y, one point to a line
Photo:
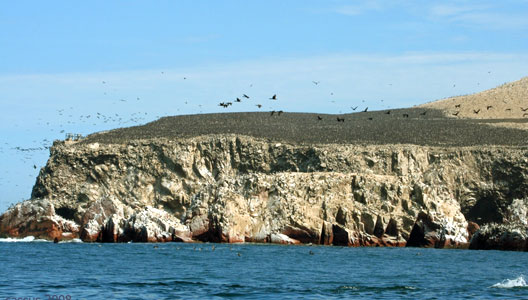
83	67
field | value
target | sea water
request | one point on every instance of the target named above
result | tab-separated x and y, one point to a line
41	270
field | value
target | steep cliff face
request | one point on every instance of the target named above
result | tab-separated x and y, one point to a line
228	188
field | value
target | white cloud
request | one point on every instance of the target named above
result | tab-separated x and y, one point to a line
482	16
447	10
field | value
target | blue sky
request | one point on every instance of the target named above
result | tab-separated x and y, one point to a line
55	56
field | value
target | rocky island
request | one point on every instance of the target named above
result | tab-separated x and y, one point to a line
437	175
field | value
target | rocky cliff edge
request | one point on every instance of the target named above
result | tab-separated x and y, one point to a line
232	188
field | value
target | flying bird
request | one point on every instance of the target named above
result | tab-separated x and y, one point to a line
319	118
340	119
274	97
524	109
457	106
316	82
259	105
476	111
456	113
245	96
354	108
366	109
238	100
488	107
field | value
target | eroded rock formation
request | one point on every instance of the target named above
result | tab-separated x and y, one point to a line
228	188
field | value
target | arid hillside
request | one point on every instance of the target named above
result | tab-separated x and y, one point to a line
508	101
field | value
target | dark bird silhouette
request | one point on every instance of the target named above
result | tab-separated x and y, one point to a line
280	112
340	119
370	119
245	96
316	82
366	109
456	113
238	100
354	108
488	107
388	112
405	115
34	166
274	97
272	112
508	109
259	105
524	109
457	106
476	111
319	118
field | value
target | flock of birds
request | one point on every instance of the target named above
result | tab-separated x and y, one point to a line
488	107
68	119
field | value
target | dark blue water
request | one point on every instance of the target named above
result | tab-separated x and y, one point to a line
196	271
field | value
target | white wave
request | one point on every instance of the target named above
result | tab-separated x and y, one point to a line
72	241
22	240
511	283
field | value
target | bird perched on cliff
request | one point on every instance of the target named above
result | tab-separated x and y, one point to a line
280	112
388	112
274	97
340	119
272	112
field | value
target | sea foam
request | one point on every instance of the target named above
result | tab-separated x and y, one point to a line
22	240
518	282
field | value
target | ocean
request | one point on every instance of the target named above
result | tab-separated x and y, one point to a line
34	269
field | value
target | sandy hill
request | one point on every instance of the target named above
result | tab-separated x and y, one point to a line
508	101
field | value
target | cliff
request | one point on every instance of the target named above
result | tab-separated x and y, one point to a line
240	188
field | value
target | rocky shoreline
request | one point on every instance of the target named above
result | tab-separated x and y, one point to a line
233	188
